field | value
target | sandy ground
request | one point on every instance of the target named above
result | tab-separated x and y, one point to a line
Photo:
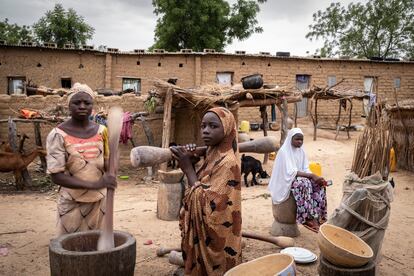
30	216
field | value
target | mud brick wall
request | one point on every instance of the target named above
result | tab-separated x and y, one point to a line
45	66
10	104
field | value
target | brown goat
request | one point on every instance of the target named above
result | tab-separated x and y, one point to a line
17	162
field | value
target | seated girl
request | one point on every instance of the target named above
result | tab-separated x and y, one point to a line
291	174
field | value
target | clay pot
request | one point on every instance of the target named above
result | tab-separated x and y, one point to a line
343	248
254	81
270	265
76	254
254	126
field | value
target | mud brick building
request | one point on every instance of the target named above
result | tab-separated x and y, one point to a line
116	70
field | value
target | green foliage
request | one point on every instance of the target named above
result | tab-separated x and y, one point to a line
13	33
381	28
199	24
150	104
61	26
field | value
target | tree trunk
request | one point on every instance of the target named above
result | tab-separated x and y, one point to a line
327	269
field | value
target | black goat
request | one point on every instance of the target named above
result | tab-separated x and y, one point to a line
252	165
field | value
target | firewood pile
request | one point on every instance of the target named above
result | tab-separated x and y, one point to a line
372	150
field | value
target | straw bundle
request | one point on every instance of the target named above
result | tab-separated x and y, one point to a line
372	150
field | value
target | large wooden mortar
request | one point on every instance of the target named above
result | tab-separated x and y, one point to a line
284	215
170	194
76	255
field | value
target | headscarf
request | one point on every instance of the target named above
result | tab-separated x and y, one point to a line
80	87
229	142
289	161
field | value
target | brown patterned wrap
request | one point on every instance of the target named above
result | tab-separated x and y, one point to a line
211	221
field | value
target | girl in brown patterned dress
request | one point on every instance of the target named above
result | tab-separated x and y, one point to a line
210	221
77	152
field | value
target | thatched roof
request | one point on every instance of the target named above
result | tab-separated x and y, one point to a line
214	94
406	105
340	90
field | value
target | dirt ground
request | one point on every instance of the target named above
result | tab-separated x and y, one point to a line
27	219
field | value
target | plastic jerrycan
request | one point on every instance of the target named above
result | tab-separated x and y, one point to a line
245	126
315	168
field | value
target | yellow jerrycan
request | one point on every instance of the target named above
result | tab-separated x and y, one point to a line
393	161
245	126
315	168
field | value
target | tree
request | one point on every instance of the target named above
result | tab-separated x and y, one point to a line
380	28
13	33
199	24
60	26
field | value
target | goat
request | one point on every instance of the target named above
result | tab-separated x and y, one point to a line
252	165
17	161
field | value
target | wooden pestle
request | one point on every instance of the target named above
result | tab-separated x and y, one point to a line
281	241
147	156
106	239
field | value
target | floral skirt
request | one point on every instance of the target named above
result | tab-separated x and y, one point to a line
310	200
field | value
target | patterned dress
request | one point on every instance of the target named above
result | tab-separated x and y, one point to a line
78	209
310	200
211	219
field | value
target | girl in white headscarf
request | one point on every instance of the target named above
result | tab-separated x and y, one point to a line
291	174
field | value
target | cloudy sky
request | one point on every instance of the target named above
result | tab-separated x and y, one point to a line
130	24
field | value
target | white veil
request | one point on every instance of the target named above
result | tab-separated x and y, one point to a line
289	161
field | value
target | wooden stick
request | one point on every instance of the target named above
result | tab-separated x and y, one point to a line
337	120
166	127
284	129
13	232
350	117
44	121
263	114
106	239
281	242
38	140
25	176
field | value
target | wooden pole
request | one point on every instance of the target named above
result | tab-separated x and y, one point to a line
337	120
27	180
283	129
316	119
166	126
147	131
296	114
38	140
314	116
350	118
265	123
